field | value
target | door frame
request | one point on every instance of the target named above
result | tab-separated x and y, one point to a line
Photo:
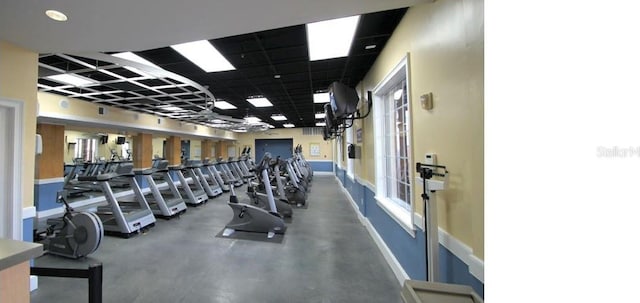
13	151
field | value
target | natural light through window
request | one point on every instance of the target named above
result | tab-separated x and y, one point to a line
393	146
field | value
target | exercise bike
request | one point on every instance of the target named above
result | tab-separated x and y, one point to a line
74	235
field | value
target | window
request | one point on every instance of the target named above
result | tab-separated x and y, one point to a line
396	156
393	145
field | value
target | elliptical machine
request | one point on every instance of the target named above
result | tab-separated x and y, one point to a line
254	219
260	199
74	235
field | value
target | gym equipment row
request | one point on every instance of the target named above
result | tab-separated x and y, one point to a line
78	234
265	213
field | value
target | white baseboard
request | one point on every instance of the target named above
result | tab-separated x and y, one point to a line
397	269
33	283
463	252
48	181
455	246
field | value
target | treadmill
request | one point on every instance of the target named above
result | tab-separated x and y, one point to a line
117	221
213	173
194	170
235	169
210	178
193	194
164	206
230	176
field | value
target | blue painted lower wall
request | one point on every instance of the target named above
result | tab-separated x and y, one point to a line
142	181
409	251
45	195
324	166
27	229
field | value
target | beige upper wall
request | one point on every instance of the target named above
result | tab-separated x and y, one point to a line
195	149
445	43
18	81
81	112
326	148
158	146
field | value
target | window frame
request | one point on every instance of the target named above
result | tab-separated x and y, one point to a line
400	213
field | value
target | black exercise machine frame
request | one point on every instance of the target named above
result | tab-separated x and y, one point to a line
93	274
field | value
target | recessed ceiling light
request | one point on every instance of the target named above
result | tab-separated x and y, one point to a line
320	116
204	55
288	125
224	105
72	79
56	15
321	124
331	38
260	102
278	117
370	46
321	98
277	76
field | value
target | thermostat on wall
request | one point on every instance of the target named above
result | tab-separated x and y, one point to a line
430	158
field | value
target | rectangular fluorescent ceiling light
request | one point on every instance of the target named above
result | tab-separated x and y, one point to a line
278	117
320	116
135	58
204	55
321	98
331	38
72	79
321	124
172	108
224	105
252	120
288	125
260	102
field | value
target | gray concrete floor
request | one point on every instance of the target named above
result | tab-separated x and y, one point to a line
325	256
